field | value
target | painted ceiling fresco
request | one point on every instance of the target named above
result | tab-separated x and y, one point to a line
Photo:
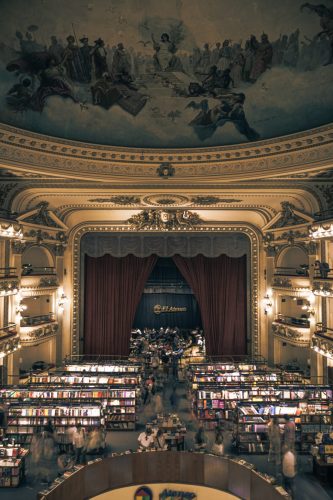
166	74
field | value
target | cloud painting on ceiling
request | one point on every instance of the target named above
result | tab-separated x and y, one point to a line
166	74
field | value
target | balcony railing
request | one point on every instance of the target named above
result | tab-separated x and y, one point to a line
292	321
323	276
8	331
324	331
301	270
8	272
29	270
37	320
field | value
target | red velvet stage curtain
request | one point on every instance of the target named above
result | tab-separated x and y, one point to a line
113	287
219	285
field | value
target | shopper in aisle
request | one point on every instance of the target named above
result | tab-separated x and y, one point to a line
146	439
160	443
200	440
289	432
274	436
289	470
218	446
79	444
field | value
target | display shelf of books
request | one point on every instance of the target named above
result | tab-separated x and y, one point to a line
213	402
72	378
118	403
12	465
310	419
109	368
26	419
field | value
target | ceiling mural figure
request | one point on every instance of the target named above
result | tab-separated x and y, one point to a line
185	74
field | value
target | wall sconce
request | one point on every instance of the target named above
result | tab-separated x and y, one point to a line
268	306
62	300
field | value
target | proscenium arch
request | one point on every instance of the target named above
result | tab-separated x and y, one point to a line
248	230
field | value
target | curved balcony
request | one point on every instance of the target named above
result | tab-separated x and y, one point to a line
9	339
33	278
295	331
292	278
34	321
9	282
39	334
322	341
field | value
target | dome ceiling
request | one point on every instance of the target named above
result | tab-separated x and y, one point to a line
176	74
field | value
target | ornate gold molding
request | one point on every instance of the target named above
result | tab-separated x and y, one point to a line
250	231
36	153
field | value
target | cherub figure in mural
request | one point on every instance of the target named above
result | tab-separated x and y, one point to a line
230	109
165	58
326	23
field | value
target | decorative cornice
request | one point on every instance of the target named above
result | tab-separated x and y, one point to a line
44	155
9	286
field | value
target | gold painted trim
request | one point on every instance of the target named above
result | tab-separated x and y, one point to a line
247	229
41	154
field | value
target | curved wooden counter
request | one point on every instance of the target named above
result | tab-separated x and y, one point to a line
200	469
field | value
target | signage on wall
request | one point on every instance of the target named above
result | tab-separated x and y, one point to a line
143	493
177	495
158	309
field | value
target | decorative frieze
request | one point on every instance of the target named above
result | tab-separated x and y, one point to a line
9	286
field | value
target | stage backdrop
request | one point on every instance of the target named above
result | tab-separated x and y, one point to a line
113	287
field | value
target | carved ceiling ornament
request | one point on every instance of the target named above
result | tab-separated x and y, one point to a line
117	200
212	200
164	220
36	153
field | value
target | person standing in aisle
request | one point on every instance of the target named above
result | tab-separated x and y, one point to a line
289	433
289	470
79	442
274	435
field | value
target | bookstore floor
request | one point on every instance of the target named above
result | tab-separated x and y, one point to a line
307	485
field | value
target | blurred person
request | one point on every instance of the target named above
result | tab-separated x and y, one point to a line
200	440
218	446
289	432
160	443
146	439
274	436
79	444
289	470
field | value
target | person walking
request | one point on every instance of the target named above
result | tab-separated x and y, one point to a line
289	432
79	442
274	435
289	470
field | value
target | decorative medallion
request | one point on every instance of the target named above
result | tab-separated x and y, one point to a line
165	170
166	200
164	220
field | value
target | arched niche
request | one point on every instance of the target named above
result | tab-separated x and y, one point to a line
38	256
292	257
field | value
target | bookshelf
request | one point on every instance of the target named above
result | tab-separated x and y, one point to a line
26	419
12	465
309	417
118	403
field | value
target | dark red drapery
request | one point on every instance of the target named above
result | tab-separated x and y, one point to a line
219	285
113	287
